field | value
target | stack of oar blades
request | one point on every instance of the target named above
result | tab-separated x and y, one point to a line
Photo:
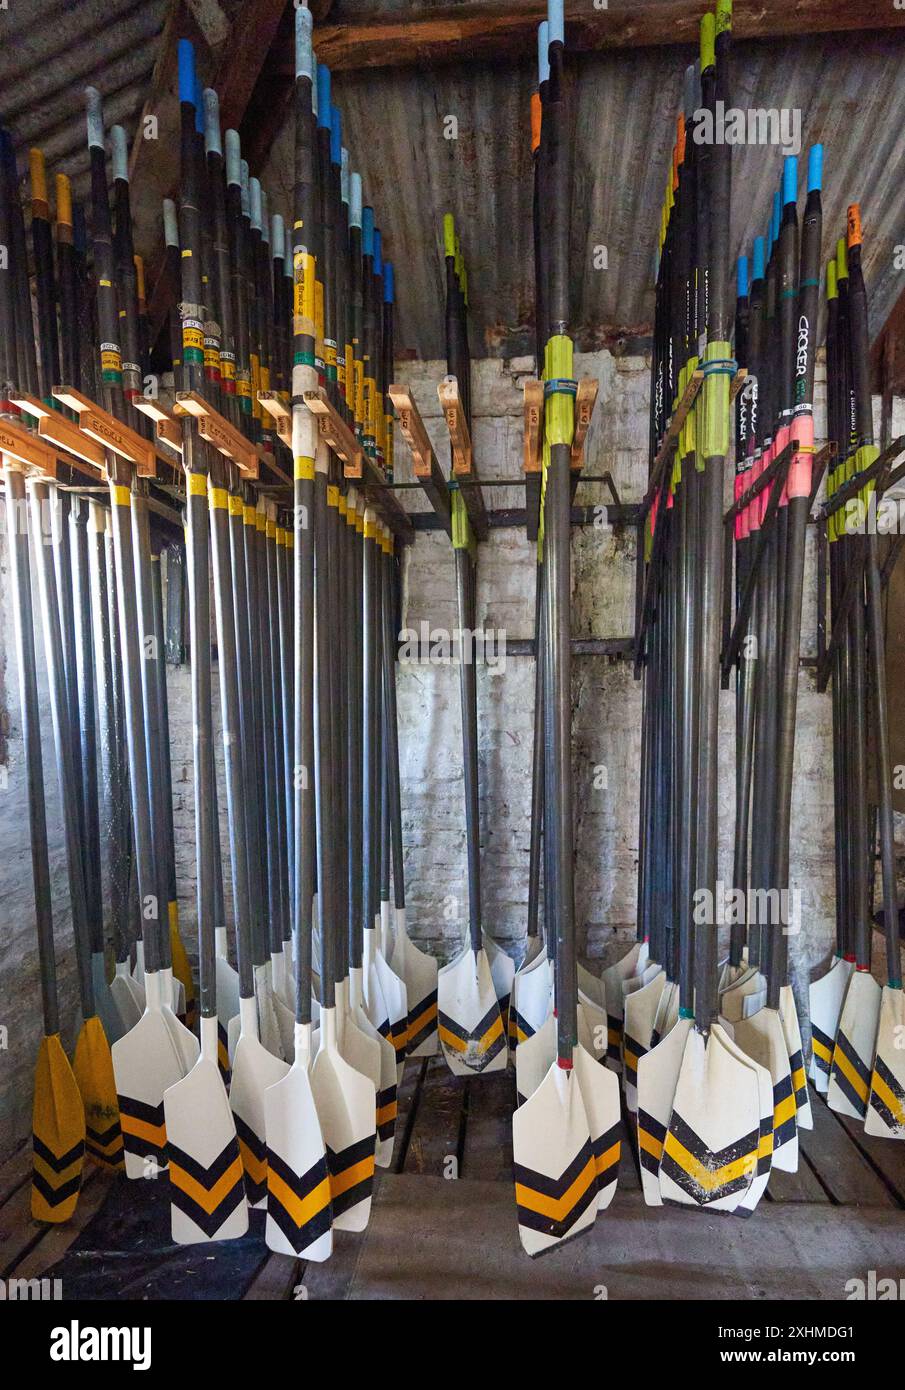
566	1128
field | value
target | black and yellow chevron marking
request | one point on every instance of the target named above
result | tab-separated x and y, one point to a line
887	1097
519	1029
253	1153
607	1148
613	1037
479	1047
799	1079
55	1178
207	1195
504	1012
822	1047
704	1175
766	1142
399	1037
223	1053
422	1021
386	1112
298	1203
651	1134
785	1108
851	1075
632	1052
105	1146
351	1175
552	1206
144	1131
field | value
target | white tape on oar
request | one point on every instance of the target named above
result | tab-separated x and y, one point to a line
207	1188
470	1023
825	998
855	1046
886	1102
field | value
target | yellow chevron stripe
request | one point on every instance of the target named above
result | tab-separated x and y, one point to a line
841	1062
385	1113
423	1019
54	1179
141	1129
301	1209
784	1111
889	1098
719	1177
765	1144
798	1080
822	1052
493	1032
650	1144
207	1200
255	1167
608	1158
351	1177
557	1209
452	1040
630	1059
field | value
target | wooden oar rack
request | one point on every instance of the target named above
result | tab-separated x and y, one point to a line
358	468
426	468
532	454
464	471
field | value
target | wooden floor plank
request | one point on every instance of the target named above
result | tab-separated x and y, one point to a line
803	1186
844	1172
14	1172
408	1096
40	1246
275	1280
437	1132
886	1156
488	1129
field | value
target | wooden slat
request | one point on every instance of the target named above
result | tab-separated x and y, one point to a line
14	1172
803	1186
886	1156
275	1280
846	1175
436	1133
481	29
29	1247
488	1127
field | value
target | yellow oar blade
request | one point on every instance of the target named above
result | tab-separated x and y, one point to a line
93	1067
58	1130
886	1106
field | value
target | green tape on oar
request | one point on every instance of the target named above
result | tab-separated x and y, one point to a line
719	367
559	391
462	534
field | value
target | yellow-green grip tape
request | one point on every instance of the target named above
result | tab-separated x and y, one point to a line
723	16
708	41
841	259
462	534
688	433
559	408
866	455
715	423
449	235
832	291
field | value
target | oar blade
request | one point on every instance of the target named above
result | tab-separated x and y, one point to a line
637	1031
555	1169
533	1059
146	1062
379	1063
207	1188
419	974
93	1067
347	1105
711	1146
752	1196
761	1038
181	967
254	1072
58	1135
298	1183
393	989
886	1105
825	999
658	1073
792	1033
853	1051
502	971
531	1000
600	1093
470	1023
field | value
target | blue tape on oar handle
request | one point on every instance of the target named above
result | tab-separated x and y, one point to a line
367	231
378	252
789	180
741	277
187	71
556	21
560	386
389	283
777	217
720	366
757	259
543	52
815	168
323	96
336	136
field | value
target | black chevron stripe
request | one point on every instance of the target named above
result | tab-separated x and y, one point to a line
249	1138
477	1032
207	1175
877	1103
765	1158
103	1136
712	1158
64	1161
657	1131
842	1081
416	1039
687	1183
299	1237
209	1224
553	1187
132	1109
54	1196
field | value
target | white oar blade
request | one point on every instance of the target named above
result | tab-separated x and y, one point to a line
207	1189
792	1033
533	1059
711	1147
825	999
298	1183
667	1012
534	946
255	1071
268	1023
346	1104
761	1038
502	970
419	974
658	1073
637	1030
531	1000
594	1028
732	1002
853	1052
146	1062
886	1105
394	995
633	962
555	1170
471	1026
361	1047
752	1196
600	1093
227	1008
185	1041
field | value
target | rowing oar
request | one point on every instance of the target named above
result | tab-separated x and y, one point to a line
207	1193
58	1115
565	1135
825	995
885	1115
298	1184
855	1038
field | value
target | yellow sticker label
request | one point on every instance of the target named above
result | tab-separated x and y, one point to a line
186	252
217	497
197	484
235	505
248	514
111	361
304	469
121	495
332	495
